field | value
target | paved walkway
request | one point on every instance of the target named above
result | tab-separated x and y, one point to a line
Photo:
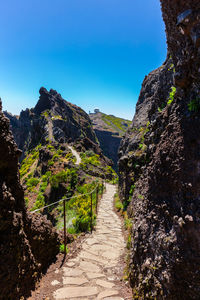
75	153
50	129
93	273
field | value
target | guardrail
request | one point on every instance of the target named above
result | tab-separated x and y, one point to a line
76	196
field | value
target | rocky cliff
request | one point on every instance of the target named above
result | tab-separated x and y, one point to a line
160	166
109	130
53	119
28	244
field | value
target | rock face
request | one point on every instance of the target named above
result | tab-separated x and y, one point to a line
109	143
109	131
53	119
160	166
28	244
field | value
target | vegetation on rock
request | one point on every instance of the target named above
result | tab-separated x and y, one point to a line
162	166
109	130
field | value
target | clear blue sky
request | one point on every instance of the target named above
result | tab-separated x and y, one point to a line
94	52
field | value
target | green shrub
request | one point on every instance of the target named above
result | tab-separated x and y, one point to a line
132	188
50	147
50	163
40	201
32	182
91	159
171	95
118	204
82	208
26	201
70	176
55	157
127	223
62	248
58	178
27	163
194	105
43	186
71	230
128	243
73	178
29	160
46	176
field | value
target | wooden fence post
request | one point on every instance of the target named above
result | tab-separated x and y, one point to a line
97	198
91	213
64	227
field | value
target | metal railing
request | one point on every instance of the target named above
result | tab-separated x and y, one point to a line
76	196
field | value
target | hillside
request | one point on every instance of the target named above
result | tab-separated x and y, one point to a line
61	157
109	131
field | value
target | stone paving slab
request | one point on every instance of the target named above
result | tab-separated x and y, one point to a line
107	293
89	267
74	292
93	273
105	284
113	298
74	280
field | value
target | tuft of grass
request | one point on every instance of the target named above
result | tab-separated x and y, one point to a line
62	248
118	204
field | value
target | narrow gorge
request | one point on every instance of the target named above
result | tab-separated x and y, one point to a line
124	195
159	166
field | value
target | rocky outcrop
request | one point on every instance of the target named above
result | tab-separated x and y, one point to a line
53	119
159	166
109	131
28	244
109	143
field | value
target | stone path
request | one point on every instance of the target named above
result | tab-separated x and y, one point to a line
93	273
50	129
75	153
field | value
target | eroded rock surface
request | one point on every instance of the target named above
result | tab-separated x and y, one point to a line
159	166
109	130
28	244
53	119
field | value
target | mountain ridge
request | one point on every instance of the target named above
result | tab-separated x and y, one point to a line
109	131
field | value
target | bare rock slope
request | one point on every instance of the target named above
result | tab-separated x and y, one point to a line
159	166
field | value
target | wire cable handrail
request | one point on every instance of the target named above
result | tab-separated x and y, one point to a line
64	199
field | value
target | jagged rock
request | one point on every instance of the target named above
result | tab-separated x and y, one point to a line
110	144
28	244
52	120
109	131
159	164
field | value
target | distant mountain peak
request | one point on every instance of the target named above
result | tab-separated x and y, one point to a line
47	100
